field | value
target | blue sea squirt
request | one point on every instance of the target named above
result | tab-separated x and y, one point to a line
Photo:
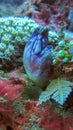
37	57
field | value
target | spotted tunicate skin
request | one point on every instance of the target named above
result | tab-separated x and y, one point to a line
37	58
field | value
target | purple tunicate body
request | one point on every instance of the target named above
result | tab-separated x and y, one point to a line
37	58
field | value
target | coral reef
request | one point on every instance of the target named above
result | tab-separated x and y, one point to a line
14	33
9	93
63	52
48	27
50	120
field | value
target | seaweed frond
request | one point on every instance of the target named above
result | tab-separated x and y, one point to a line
59	90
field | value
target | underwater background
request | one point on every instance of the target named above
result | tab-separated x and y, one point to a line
36	65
